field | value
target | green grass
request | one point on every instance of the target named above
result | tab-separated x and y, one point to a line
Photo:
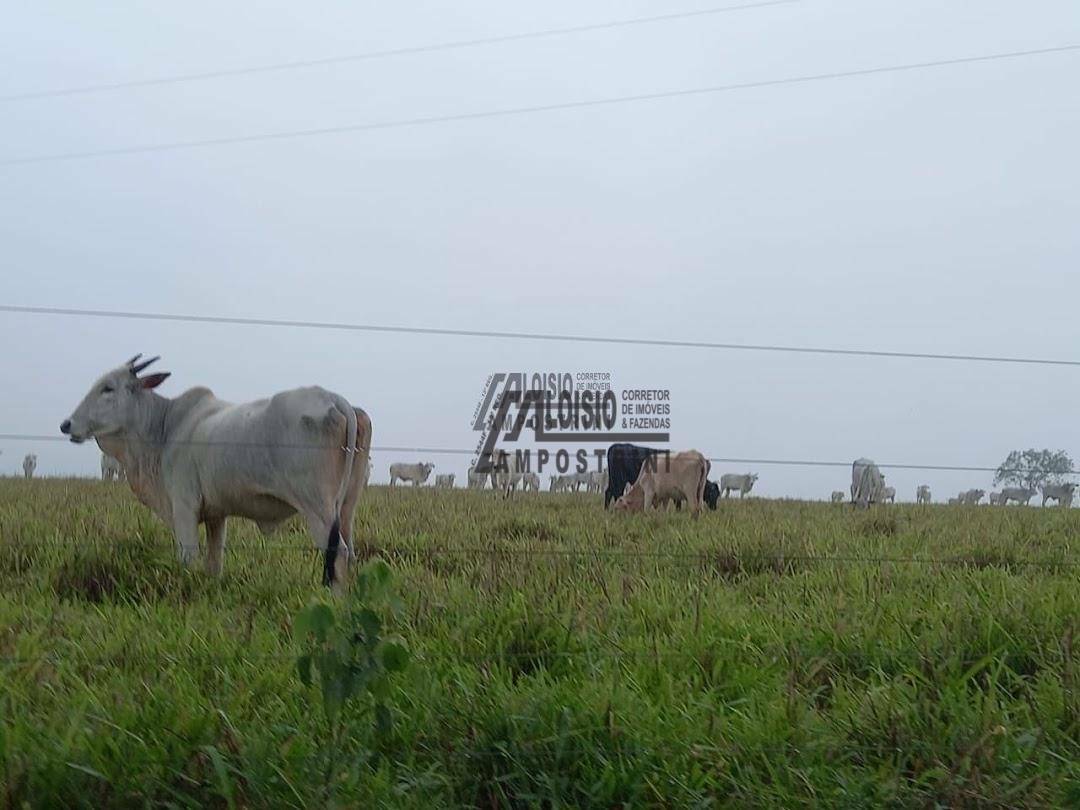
562	657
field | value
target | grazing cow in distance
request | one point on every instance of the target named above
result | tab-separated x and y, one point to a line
624	463
972	497
1019	494
111	469
197	459
731	482
997	498
955	501
867	483
444	481
557	483
922	494
888	495
674	476
1062	493
530	482
837	496
416	474
711	494
29	464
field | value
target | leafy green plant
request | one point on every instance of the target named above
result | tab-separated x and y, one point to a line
351	658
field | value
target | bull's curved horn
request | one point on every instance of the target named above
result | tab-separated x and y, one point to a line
133	360
139	368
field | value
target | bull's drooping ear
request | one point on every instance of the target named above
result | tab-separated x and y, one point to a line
153	380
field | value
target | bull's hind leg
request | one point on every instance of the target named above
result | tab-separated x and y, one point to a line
348	508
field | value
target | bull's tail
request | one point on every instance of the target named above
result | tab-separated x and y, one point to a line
349	448
333	542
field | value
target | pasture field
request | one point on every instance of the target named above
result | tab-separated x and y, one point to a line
769	654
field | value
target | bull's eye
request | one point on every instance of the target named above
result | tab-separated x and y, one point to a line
107	389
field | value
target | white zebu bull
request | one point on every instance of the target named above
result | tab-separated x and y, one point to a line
416	474
530	482
198	459
888	494
1062	493
837	496
1019	494
29	464
997	498
867	483
741	483
111	469
922	494
444	481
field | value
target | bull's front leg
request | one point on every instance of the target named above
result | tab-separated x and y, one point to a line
186	529
215	546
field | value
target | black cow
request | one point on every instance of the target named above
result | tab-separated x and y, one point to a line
712	494
624	462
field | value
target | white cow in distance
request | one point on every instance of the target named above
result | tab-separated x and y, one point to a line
597	481
477	480
111	469
732	482
997	498
1062	493
444	481
530	482
867	483
197	459
508	468
29	464
922	494
837	496
888	495
416	474
972	497
1019	494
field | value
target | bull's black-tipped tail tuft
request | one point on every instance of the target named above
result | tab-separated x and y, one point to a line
330	555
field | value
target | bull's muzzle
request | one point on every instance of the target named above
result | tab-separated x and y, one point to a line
65	428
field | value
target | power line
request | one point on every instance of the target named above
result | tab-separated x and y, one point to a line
506	335
524	110
460	451
370	55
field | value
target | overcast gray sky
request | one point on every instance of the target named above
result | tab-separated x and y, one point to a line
930	210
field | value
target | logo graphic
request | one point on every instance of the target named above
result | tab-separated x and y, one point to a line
567	409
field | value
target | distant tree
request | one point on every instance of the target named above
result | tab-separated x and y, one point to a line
1033	468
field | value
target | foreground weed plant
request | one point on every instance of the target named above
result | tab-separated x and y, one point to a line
353	659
